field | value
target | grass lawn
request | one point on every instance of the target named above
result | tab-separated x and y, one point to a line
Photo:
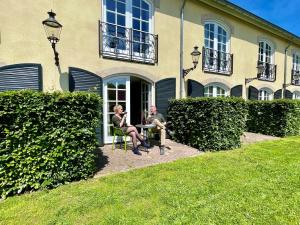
259	184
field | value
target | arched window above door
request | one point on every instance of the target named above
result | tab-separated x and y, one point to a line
216	51
266	59
216	90
126	30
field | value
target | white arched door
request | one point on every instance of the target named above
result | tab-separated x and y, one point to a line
116	91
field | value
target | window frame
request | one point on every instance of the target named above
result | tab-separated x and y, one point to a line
296	95
264	91
264	56
217	24
215	87
124	42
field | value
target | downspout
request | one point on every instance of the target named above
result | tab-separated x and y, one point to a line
182	93
285	71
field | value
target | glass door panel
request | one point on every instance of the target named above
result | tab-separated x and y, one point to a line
116	92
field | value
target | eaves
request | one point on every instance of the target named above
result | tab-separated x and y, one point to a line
248	17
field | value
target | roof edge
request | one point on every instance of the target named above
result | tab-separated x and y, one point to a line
253	19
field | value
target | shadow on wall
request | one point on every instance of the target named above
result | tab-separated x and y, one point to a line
63	79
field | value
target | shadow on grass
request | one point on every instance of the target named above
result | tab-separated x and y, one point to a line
101	160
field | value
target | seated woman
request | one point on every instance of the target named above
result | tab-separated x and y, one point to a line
119	121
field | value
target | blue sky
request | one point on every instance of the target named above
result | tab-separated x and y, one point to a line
284	13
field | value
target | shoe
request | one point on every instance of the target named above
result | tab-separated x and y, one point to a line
136	151
162	150
145	144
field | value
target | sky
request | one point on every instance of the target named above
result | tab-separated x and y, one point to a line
283	13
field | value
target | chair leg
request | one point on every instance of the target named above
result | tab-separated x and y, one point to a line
125	143
113	143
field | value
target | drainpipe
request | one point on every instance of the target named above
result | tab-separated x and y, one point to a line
285	71
182	93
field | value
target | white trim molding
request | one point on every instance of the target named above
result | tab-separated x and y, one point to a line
218	19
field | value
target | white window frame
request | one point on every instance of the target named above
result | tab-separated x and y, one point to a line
296	61
262	94
129	22
215	89
296	95
224	27
264	55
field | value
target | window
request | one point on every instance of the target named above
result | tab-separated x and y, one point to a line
296	69
215	91
296	95
265	95
216	50
126	30
265	58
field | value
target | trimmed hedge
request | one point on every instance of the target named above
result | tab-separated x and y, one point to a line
46	139
278	117
208	123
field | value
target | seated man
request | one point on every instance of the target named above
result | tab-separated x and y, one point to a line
159	121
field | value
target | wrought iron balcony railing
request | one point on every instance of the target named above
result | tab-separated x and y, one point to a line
217	61
128	44
296	77
269	72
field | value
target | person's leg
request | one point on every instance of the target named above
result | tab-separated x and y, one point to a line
162	137
133	138
158	124
133	129
138	136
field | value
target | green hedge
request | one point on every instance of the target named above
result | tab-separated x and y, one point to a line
46	139
278	117
208	123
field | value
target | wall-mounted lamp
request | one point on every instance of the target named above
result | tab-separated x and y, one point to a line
296	76
53	29
260	69
195	57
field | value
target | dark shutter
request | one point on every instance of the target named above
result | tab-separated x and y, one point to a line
278	94
82	80
288	94
195	89
237	91
164	91
21	76
253	93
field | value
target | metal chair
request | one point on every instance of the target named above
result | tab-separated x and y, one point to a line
117	132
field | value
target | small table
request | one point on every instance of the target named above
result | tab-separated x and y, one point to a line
144	130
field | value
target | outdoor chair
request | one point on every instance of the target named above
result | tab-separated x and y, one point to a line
117	132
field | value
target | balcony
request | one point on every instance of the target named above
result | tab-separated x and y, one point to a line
219	62
121	43
295	77
269	72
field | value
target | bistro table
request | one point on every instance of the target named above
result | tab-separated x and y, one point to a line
145	131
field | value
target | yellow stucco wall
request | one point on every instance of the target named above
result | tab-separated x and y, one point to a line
23	41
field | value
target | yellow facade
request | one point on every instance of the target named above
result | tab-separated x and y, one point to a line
23	41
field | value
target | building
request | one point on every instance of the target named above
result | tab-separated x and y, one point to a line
129	51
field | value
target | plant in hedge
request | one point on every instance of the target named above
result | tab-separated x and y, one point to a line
278	117
46	139
208	123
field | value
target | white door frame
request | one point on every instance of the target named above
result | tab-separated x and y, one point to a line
108	139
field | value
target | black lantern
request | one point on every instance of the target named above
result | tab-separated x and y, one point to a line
195	57
260	68
53	29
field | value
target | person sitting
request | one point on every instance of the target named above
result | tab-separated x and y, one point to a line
119	121
159	121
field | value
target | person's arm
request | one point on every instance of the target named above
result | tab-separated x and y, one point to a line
123	120
162	119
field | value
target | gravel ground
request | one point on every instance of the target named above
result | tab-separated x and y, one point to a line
120	161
